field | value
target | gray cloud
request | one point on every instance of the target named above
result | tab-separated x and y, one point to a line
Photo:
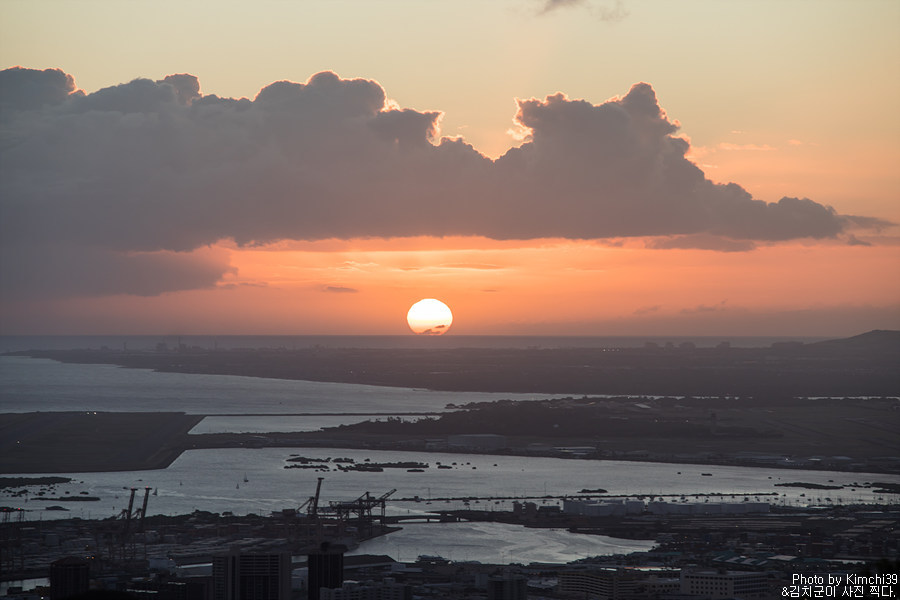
339	289
550	5
703	308
644	310
877	225
852	240
54	270
610	11
27	89
112	177
701	241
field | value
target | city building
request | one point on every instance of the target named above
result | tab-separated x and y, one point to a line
599	583
507	587
69	576
239	576
388	589
724	584
605	508
326	569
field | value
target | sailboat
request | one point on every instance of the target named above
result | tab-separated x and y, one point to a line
245	478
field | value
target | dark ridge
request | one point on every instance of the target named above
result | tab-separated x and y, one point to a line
864	365
877	340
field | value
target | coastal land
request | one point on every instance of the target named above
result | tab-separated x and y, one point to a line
829	405
863	365
856	434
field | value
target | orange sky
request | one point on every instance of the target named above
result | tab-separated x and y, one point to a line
552	287
781	104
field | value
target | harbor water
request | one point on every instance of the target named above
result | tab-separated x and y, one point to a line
243	480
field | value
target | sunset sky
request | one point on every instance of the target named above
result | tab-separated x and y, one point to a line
593	167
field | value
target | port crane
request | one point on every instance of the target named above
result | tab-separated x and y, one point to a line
126	515
144	508
362	506
119	533
130	513
358	511
313	502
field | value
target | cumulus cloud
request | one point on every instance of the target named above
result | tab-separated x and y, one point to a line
134	178
24	89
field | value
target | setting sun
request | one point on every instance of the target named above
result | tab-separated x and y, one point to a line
429	317
330	179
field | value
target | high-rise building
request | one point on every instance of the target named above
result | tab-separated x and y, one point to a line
69	576
326	568
599	582
239	576
507	587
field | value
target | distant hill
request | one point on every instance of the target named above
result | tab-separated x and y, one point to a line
878	340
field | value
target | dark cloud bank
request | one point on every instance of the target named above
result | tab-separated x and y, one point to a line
94	185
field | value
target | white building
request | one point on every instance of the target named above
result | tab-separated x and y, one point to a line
599	583
724	584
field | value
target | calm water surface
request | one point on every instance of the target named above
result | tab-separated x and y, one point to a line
255	481
28	384
213	480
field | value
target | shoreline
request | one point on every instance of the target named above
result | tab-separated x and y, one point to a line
865	365
405	445
47	449
830	406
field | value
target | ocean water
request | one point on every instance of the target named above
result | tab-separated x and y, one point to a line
510	543
245	481
214	480
28	384
255	481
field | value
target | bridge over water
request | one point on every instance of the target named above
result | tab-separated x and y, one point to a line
436	517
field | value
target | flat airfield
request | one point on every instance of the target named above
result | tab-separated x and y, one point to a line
721	402
861	432
80	442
